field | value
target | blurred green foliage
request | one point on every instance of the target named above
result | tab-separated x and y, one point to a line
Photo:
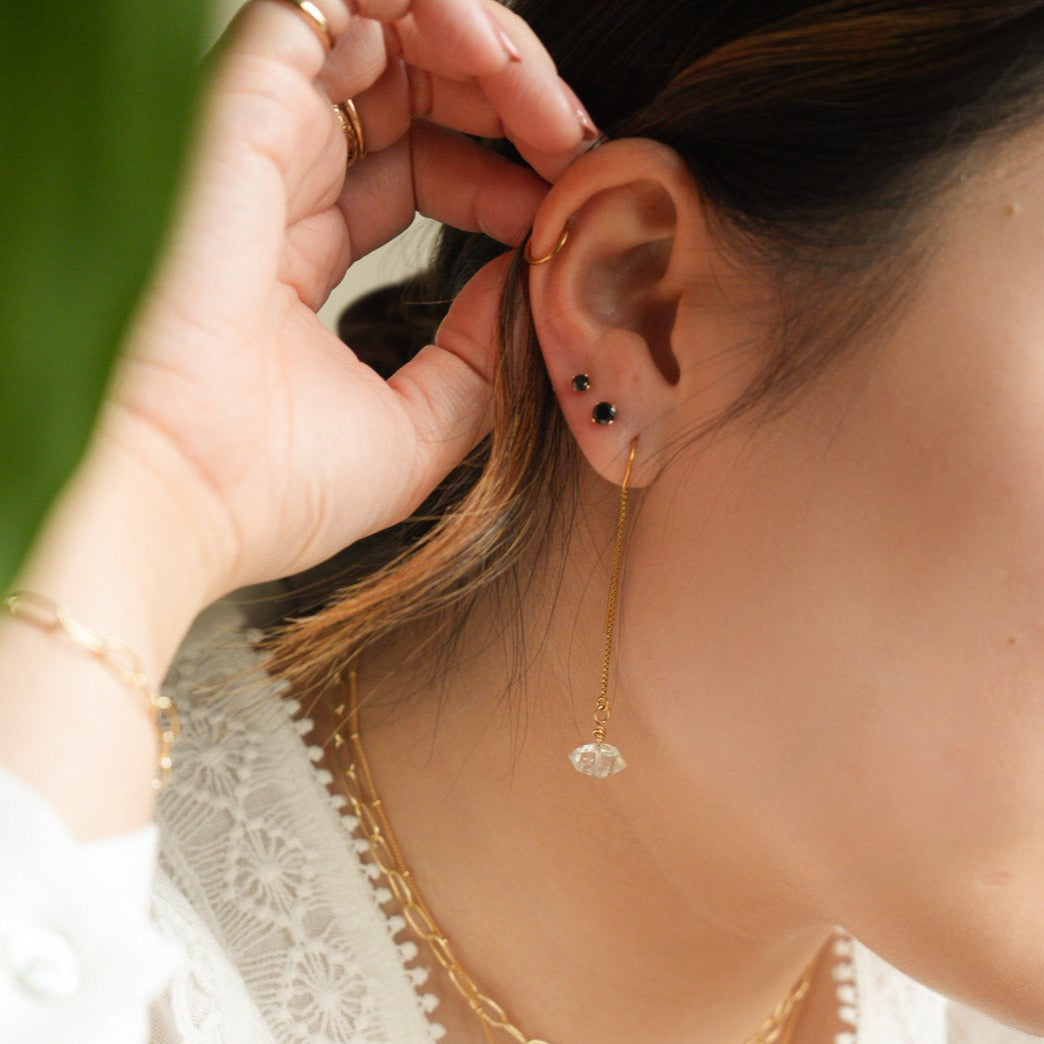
96	105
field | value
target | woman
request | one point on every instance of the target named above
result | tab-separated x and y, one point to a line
793	304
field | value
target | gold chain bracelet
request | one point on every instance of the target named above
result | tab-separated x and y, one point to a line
118	658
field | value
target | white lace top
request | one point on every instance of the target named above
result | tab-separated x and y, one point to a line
264	926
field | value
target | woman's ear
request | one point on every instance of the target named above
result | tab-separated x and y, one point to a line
624	308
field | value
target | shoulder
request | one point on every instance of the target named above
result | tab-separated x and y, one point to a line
965	1026
896	1009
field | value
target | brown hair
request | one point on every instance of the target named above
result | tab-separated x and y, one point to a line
819	134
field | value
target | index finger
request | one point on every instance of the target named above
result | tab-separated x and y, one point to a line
444	176
467	37
536	108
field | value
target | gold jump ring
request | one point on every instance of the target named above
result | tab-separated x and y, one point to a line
547	257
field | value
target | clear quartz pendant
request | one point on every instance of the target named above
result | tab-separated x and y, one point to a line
600	760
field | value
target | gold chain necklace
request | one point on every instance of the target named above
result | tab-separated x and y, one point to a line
384	850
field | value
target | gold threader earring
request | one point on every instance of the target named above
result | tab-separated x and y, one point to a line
598	758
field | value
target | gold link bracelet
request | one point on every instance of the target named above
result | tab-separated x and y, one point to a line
46	615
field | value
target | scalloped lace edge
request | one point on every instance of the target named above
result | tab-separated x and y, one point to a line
405	947
846	988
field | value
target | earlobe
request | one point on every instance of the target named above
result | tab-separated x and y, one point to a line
603	413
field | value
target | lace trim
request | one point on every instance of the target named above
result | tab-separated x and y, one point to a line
259	857
846	986
406	948
893	1008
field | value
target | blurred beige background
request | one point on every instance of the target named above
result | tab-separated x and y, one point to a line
392	262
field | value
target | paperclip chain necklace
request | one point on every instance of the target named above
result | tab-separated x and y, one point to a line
375	827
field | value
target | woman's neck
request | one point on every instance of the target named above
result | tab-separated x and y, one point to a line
614	910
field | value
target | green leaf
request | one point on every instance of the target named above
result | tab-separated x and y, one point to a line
96	105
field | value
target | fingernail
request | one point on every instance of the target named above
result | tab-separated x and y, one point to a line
509	45
587	127
590	146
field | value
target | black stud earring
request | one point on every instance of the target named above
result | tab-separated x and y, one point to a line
604	413
581	382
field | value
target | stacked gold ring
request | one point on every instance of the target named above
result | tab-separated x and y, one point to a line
353	132
346	110
315	20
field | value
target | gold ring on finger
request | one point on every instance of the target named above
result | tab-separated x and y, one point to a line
314	18
353	132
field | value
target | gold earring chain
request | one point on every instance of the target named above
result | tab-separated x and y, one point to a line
376	829
599	759
602	710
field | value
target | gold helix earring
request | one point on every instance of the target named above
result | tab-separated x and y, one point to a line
598	758
531	260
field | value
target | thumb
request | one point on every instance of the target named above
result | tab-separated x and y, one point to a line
446	389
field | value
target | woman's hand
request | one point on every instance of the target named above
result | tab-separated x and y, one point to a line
240	439
277	444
